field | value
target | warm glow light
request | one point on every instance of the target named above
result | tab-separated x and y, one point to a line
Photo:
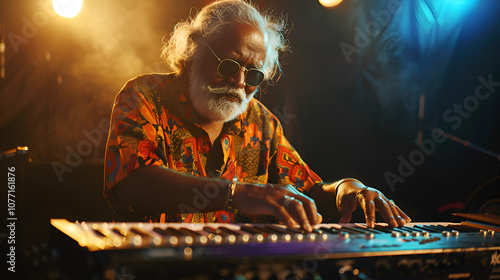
329	3
67	8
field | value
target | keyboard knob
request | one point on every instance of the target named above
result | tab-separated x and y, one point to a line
369	235
343	235
272	237
286	237
311	236
298	237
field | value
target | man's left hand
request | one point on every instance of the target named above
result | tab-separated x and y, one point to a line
350	193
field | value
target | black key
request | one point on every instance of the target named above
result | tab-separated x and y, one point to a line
140	232
117	231
98	233
189	232
351	230
428	228
330	230
252	230
218	231
228	231
463	228
385	229
168	232
160	231
369	230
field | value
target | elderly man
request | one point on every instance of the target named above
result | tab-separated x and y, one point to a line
195	146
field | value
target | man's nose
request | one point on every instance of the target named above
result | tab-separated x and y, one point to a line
239	79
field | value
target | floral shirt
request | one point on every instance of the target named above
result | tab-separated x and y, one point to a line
154	123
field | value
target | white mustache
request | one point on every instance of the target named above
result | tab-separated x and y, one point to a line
239	93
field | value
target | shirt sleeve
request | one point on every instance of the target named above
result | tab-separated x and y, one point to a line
135	134
286	164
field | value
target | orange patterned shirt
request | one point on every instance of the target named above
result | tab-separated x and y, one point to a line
154	123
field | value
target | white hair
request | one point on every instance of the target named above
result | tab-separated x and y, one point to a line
212	21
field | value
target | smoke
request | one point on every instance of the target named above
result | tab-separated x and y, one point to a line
119	40
76	67
88	59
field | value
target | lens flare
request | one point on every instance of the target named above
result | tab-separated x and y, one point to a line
67	8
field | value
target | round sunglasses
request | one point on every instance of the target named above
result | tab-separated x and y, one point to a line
227	68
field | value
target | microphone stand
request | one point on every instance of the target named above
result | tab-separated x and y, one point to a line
467	143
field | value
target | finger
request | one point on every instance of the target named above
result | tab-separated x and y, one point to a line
399	220
345	216
308	204
399	212
318	219
347	206
386	212
310	208
282	215
296	209
394	209
403	215
369	209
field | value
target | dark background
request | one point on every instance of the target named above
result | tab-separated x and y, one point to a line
354	115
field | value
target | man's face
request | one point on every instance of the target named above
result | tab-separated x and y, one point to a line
223	99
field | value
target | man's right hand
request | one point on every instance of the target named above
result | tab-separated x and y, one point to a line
284	202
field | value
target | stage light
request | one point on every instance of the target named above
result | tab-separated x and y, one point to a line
67	8
329	3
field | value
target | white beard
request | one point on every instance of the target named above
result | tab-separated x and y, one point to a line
216	103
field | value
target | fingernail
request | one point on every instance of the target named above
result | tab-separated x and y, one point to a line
308	227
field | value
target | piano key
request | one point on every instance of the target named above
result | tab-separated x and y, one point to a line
330	230
385	229
368	230
463	228
351	230
427	228
140	232
229	231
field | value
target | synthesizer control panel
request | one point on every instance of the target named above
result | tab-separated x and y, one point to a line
331	251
